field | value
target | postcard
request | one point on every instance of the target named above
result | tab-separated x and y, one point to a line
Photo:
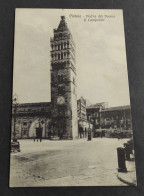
71	113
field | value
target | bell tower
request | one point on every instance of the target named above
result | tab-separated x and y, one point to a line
63	83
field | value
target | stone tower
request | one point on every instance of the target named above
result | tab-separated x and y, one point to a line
63	84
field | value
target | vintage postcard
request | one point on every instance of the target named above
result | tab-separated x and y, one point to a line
71	113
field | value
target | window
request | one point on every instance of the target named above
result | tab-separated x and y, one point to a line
60	78
68	44
61	88
60	35
74	80
24	123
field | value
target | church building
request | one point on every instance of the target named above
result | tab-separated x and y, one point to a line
65	117
61	113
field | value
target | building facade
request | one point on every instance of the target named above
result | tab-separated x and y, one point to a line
96	117
116	118
29	116
93	112
84	125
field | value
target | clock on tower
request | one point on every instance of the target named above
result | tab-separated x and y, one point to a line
63	83
60	100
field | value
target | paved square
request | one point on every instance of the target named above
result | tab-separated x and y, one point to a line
66	163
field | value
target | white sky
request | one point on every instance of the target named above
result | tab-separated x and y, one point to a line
100	55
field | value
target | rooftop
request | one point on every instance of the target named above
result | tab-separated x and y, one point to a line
97	105
34	104
126	107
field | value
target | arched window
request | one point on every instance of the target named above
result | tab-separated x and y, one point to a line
73	80
60	78
68	44
68	54
64	45
60	35
61	89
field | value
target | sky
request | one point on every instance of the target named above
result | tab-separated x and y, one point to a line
100	54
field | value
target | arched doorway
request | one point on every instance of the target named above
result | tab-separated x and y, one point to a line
33	126
81	132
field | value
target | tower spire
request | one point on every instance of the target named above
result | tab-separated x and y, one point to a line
63	17
62	25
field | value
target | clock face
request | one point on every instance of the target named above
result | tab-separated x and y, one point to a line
60	100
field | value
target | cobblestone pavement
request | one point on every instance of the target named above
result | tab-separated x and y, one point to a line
66	163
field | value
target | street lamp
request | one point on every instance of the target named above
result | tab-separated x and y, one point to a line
15	104
15	146
89	131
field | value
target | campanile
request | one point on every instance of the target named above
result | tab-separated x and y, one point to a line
63	83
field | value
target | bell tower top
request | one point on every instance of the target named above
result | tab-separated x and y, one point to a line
63	17
62	25
63	47
62	33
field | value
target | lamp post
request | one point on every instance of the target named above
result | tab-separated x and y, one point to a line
89	130
15	146
15	104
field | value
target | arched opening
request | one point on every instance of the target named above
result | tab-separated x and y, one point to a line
81	132
35	124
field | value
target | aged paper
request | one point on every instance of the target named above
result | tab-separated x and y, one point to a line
71	113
